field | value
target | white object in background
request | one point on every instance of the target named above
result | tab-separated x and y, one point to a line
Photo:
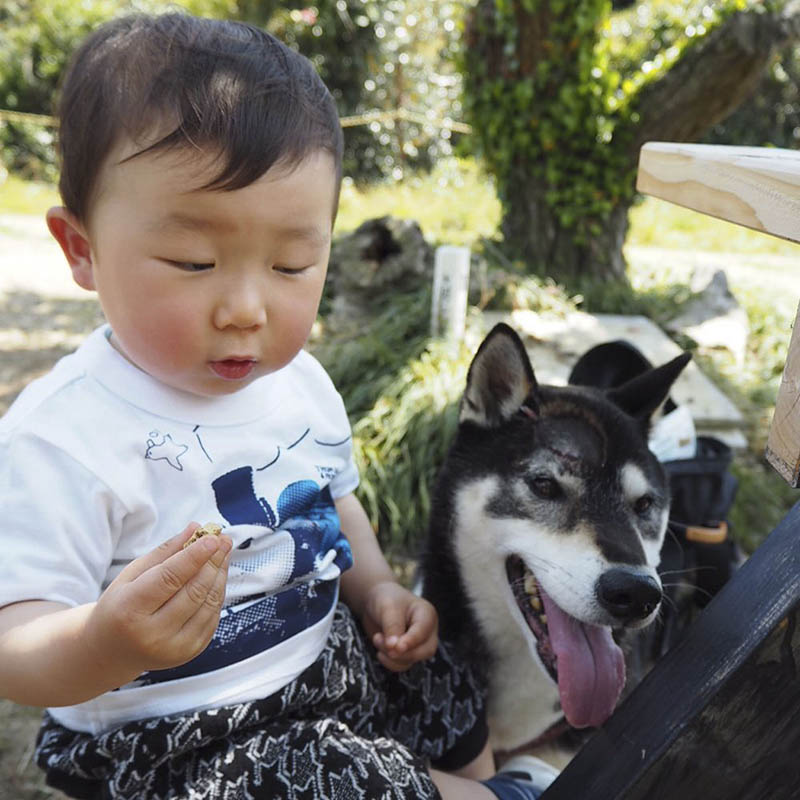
673	437
450	286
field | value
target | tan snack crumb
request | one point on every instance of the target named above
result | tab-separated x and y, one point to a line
209	529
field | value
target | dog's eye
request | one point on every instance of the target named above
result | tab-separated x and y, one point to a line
643	504
546	488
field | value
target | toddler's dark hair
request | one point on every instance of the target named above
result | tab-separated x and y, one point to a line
230	88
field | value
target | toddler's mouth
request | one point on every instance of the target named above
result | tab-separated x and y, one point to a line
233	369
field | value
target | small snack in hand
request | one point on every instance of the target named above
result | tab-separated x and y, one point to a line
209	529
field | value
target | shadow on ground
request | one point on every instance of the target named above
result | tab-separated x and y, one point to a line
35	331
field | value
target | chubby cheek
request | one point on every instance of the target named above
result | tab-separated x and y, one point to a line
298	328
161	337
291	322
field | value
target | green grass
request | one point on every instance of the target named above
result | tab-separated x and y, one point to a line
22	197
455	204
657	223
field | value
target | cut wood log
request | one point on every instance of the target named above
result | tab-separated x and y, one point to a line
758	187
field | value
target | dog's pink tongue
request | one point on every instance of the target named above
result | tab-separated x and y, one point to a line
590	664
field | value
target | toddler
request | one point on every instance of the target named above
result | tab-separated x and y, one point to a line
201	164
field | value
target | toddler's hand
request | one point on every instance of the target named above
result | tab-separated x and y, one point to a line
163	608
402	626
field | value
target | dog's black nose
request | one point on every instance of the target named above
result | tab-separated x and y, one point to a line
628	594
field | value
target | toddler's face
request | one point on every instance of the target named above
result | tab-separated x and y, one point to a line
209	290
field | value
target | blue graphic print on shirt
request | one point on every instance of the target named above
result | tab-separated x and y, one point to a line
306	517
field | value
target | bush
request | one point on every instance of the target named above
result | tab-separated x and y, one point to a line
401	443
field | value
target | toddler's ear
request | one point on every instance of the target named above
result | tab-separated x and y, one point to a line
70	233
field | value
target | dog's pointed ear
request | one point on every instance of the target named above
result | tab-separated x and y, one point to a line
642	395
500	380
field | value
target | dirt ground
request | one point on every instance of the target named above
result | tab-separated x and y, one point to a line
43	316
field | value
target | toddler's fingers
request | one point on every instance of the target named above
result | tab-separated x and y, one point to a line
422	652
399	664
380	644
166	549
393	626
422	625
200	626
205	589
164	581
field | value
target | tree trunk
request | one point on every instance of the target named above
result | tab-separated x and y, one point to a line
713	78
533	234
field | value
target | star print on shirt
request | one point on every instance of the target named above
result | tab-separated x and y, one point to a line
165	449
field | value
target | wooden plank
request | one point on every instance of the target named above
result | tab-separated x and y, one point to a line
758	187
783	442
706	723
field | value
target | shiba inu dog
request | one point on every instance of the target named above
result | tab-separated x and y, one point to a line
547	523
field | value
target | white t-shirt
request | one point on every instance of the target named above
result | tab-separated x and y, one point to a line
100	463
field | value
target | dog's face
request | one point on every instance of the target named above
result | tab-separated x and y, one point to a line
561	514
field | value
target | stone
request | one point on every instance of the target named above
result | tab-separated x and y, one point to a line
381	255
714	318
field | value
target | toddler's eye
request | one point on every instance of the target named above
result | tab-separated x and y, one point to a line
290	270
191	266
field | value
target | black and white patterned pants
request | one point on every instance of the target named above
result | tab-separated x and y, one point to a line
346	728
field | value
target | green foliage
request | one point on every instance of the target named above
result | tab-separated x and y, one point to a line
657	223
762	500
34	45
401	443
772	115
460	203
541	106
400	388
23	197
643	41
362	364
381	55
340	39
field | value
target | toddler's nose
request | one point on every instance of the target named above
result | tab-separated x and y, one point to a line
240	307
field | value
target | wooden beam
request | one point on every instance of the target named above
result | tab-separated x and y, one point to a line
758	187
